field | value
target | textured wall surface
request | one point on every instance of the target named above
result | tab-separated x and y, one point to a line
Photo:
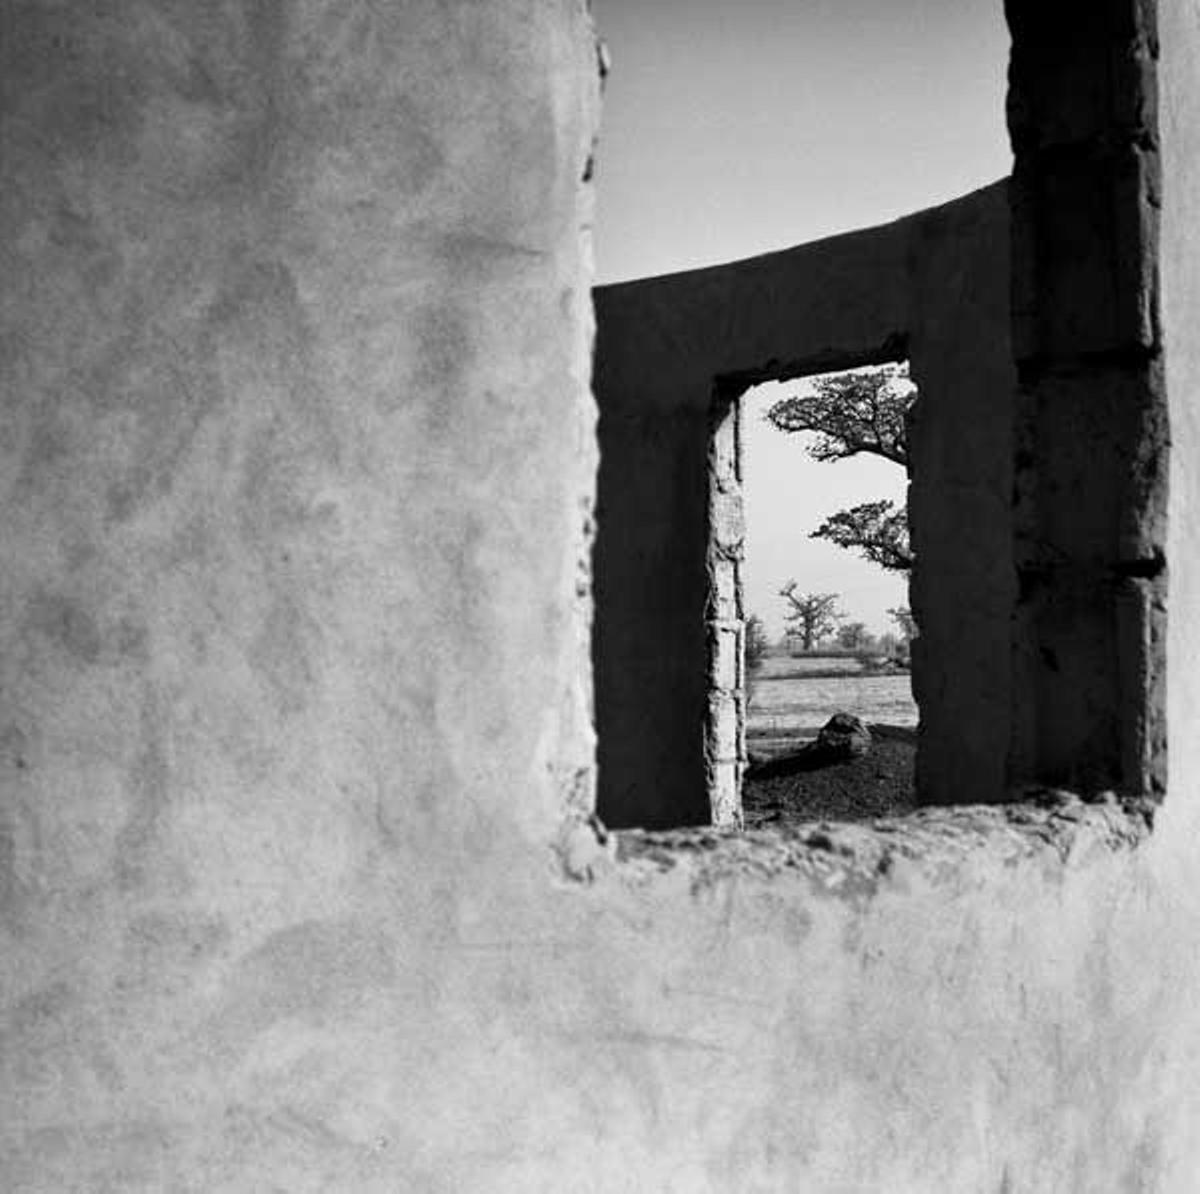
297	461
1091	409
297	458
933	287
725	616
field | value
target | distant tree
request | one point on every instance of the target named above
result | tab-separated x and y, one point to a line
812	616
853	636
889	645
756	643
905	622
861	413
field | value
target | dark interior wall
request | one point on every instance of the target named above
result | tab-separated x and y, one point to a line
649	647
933	287
1091	410
661	344
960	497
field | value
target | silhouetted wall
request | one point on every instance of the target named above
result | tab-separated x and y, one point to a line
934	288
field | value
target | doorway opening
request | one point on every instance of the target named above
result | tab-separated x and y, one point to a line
811	710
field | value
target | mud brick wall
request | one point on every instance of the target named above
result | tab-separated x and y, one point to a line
1091	413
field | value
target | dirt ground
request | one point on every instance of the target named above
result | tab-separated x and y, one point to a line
879	784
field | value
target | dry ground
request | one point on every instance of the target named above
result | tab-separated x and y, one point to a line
879	784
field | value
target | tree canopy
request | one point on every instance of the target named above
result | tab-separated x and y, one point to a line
878	530
851	414
853	635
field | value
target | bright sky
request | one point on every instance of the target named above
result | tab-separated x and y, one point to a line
735	127
787	495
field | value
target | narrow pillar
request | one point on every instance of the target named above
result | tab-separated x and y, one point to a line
1090	452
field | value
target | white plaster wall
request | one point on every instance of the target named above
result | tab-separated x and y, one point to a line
1180	38
296	464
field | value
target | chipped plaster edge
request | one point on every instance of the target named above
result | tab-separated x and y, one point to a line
857	860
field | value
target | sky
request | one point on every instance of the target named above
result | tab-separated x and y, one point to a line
743	126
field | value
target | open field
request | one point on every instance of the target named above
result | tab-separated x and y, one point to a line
792	698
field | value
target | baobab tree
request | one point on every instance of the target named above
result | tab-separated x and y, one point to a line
813	616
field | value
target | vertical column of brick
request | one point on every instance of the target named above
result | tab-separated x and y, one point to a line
725	732
1090	452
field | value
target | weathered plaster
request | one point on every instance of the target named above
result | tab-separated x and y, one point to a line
724	736
297	469
1179	124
